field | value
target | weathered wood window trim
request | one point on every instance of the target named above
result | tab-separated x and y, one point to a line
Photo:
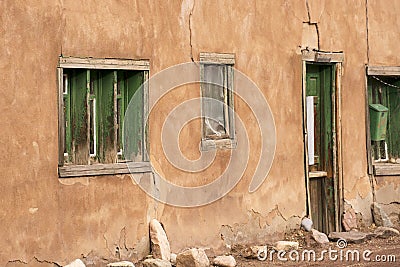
383	70
379	168
228	139
322	57
115	66
103	169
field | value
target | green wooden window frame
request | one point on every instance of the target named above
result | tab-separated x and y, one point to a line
92	105
217	101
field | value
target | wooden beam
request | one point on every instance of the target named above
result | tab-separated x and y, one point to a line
383	70
387	169
207	144
217	58
319	56
103	169
317	174
339	194
103	63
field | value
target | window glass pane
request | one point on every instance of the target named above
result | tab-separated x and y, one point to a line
214	99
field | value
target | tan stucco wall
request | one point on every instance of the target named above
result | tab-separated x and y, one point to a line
59	220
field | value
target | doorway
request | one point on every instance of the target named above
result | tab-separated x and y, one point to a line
320	140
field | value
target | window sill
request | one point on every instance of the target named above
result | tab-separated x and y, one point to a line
208	144
103	169
384	169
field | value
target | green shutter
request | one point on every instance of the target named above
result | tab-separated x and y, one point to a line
111	91
105	111
133	134
79	133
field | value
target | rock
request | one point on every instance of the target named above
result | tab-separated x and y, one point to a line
76	263
224	261
349	237
253	252
380	216
286	245
349	220
121	264
194	257
385	232
159	242
319	237
156	263
173	258
369	235
307	224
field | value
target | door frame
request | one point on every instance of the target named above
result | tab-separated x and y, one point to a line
335	59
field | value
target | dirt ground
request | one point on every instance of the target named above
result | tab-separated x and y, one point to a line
372	252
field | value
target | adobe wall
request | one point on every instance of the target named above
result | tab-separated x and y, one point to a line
58	220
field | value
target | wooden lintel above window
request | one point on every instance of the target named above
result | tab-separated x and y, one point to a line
217	58
383	169
103	63
70	171
383	70
323	57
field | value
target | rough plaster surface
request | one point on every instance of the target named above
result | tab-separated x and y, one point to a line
387	194
47	220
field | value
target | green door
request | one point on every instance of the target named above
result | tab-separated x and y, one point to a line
320	88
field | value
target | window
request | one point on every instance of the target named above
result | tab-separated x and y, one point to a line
217	101
383	107
95	96
384	110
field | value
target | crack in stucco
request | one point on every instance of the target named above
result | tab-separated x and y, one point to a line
122	235
367	33
390	203
62	19
308	11
190	32
313	23
34	258
121	248
108	249
16	261
316	26
46	261
258	214
280	213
